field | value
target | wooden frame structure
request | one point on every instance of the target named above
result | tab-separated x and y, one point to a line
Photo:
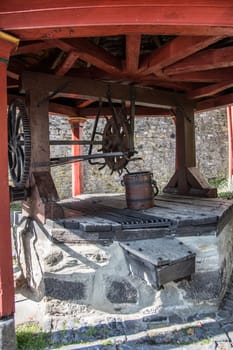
177	55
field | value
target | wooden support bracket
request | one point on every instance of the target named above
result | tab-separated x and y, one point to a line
42	203
190	182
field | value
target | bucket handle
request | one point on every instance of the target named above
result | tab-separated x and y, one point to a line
156	190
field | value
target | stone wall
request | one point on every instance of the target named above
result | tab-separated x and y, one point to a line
155	143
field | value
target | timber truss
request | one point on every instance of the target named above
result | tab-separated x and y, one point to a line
177	56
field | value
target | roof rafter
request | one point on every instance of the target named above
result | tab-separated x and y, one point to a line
208	59
68	62
90	53
210	90
175	50
211	76
216	102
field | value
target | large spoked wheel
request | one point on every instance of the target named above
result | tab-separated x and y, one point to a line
116	139
19	143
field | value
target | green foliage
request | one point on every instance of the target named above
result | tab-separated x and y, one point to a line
15	206
30	337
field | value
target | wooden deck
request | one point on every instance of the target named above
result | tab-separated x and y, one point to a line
87	217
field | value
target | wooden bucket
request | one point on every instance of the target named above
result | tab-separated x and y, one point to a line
140	190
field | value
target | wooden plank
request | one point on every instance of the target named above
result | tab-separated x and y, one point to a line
90	89
6	270
95	55
103	30
67	64
39	126
89	14
210	90
208	59
185	138
216	102
208	76
175	50
133	44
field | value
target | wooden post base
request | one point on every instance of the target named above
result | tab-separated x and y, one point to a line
42	203
189	182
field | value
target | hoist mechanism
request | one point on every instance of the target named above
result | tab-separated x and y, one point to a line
115	142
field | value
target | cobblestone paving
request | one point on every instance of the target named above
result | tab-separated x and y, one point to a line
201	332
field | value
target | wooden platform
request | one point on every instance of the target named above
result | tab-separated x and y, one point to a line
86	218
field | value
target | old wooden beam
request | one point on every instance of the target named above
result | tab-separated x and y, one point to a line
209	17
211	76
7	44
90	112
90	53
187	179
215	102
67	64
208	59
175	50
91	89
32	48
133	44
210	90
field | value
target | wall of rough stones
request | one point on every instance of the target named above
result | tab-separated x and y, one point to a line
155	143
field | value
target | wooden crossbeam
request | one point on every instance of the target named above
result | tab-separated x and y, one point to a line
210	90
91	89
175	50
216	102
89	18
67	63
208	59
32	48
90	53
211	76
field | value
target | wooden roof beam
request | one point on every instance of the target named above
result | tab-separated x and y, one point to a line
133	44
32	48
210	90
208	59
88	16
68	63
139	112
216	102
91	89
175	50
211	76
90	53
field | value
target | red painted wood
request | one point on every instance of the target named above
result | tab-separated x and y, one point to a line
67	14
67	63
210	90
208	59
175	50
133	44
218	101
104	30
6	270
77	171
211	76
230	141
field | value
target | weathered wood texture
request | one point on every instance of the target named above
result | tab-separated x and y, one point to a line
190	216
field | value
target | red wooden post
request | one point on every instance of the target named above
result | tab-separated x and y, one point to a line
77	169
6	270
230	142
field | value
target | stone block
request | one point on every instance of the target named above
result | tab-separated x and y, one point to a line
7	334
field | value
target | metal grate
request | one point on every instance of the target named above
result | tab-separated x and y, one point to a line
130	219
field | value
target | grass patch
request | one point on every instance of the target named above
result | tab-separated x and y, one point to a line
15	206
29	336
